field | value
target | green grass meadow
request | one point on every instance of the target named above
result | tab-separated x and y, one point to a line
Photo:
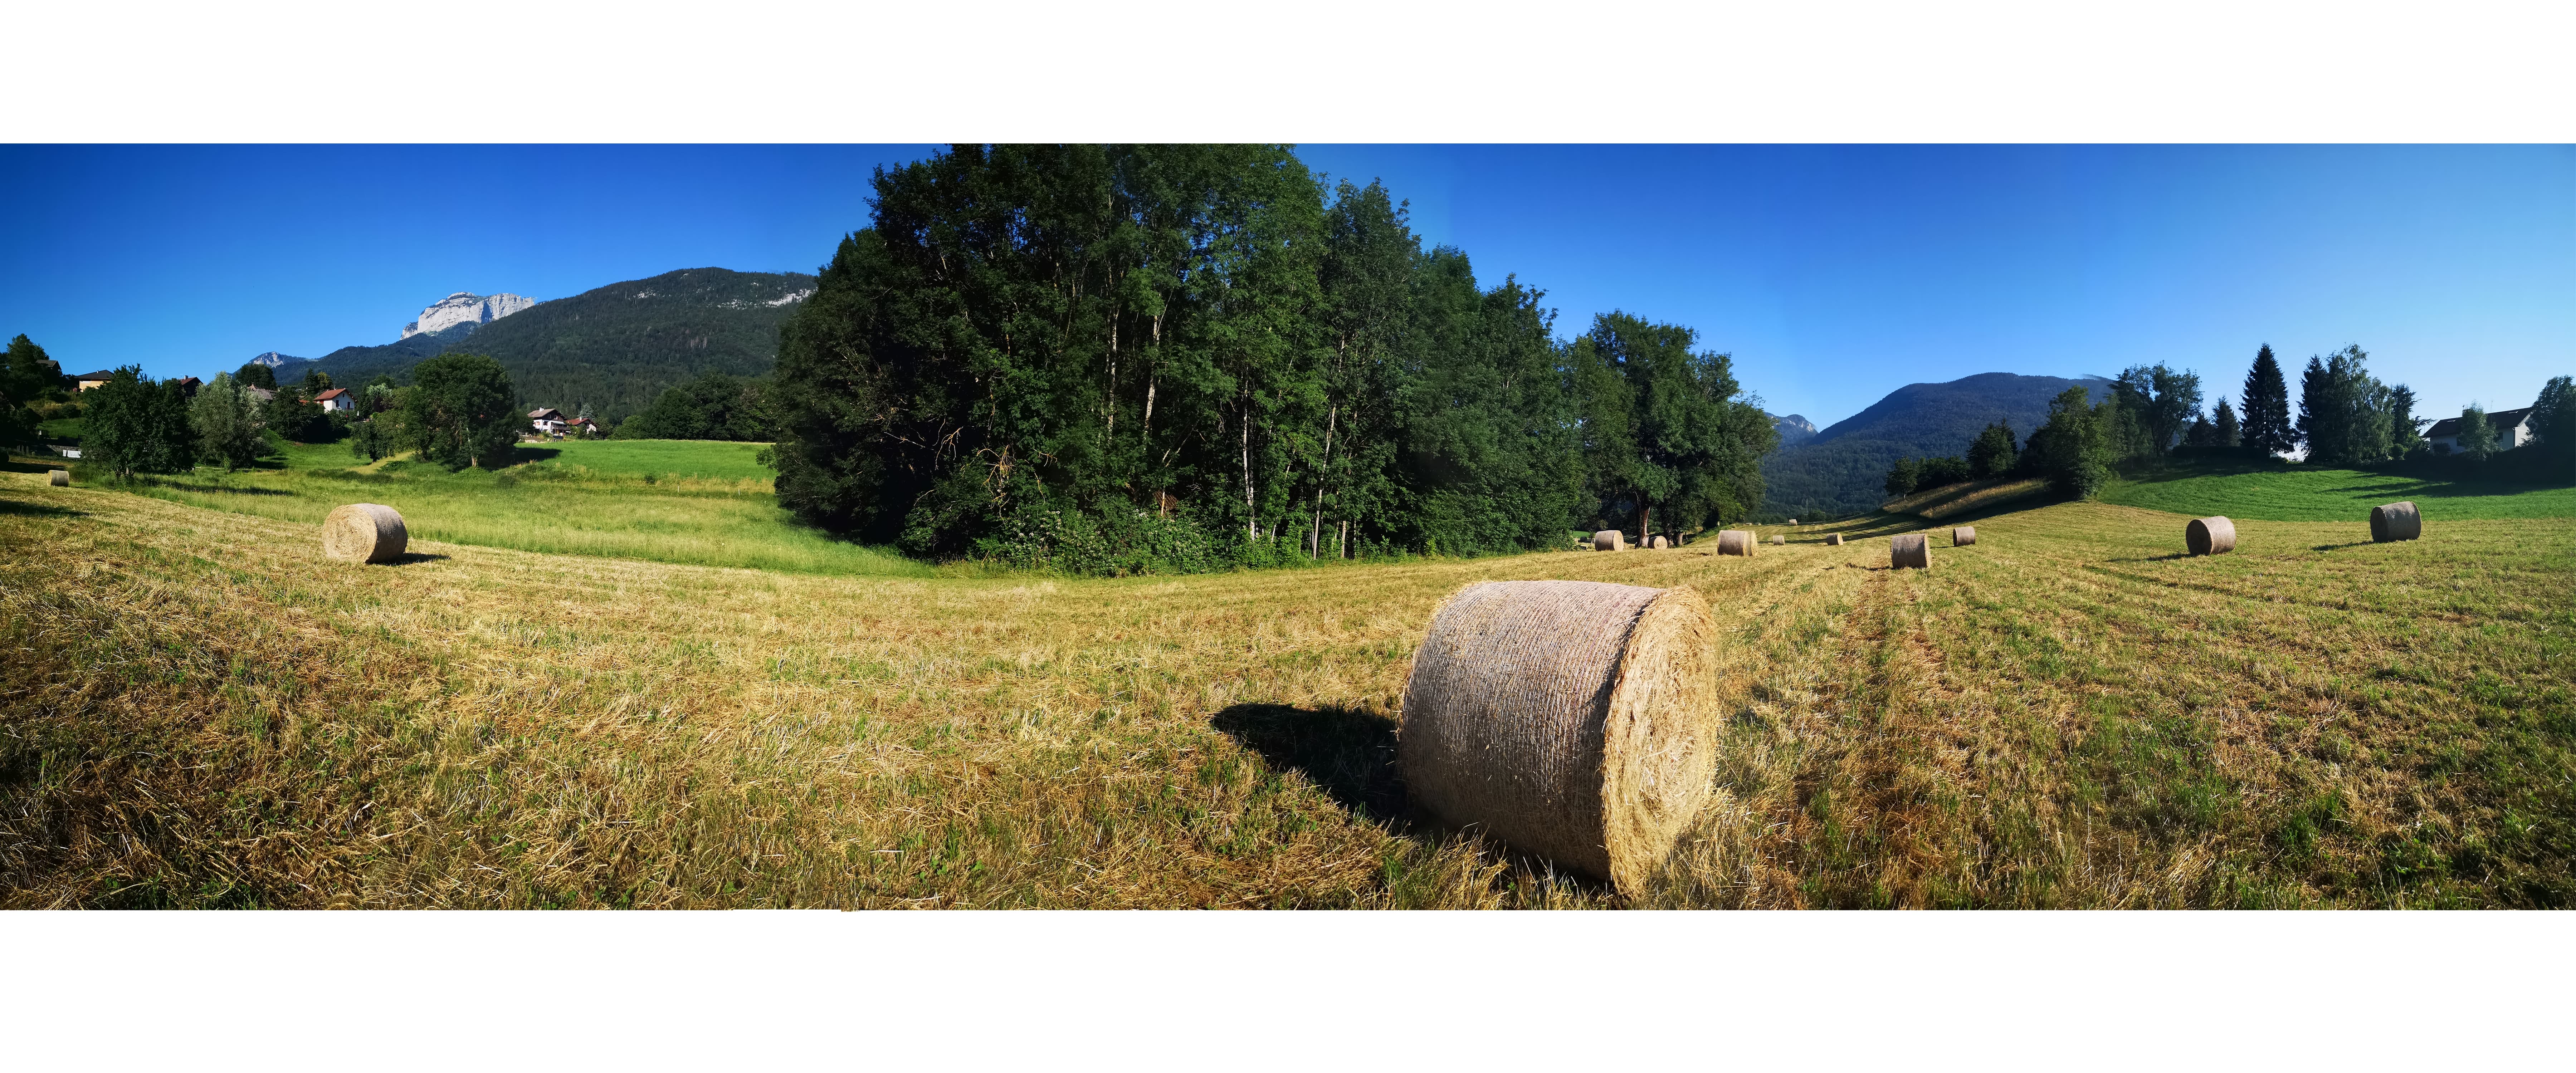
2292	493
700	503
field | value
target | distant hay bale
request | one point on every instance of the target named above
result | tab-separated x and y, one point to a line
61	478
2396	521
1778	538
1834	539
1609	540
1657	542
1963	535
1910	550
364	533
1572	719
1735	542
1793	521
2209	536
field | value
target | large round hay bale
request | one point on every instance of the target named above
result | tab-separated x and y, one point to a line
1609	540
1910	550
1659	543
1778	538
61	478
1572	719
364	533
1963	535
2396	521
2209	536
1735	542
1834	540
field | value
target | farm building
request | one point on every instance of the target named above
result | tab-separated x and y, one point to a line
547	420
336	399
87	381
2512	429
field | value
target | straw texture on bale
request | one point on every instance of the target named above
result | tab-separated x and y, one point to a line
1910	550
61	478
1571	719
1834	539
1778	538
1609	540
1658	542
1735	542
364	533
1962	536
2396	521
2209	536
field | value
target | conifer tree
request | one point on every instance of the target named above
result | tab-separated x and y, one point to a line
2228	432
2267	430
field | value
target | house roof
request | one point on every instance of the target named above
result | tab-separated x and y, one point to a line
103	374
2499	420
544	412
331	394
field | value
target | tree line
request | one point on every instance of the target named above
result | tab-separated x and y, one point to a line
2345	417
1116	358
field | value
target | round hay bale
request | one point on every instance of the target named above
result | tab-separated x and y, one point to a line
1910	550
1834	540
364	533
61	478
2209	536
1657	542
1778	538
1571	719
1793	521
1609	540
2396	521
1735	542
1963	535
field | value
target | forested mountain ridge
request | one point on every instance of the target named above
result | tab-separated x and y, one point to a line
613	348
1840	471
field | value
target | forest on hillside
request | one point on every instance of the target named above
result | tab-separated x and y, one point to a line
1112	358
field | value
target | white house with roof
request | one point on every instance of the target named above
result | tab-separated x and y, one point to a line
2512	429
336	399
547	420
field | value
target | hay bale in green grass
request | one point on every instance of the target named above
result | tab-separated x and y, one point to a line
2396	521
1778	538
1962	535
1572	719
1834	540
1609	540
2209	536
1910	550
1735	542
364	533
61	478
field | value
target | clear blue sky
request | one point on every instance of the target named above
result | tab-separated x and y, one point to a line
1832	274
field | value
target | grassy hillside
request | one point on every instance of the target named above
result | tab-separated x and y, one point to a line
2069	713
616	347
677	501
1842	471
2283	492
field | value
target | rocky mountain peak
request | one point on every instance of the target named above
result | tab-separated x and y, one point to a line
464	307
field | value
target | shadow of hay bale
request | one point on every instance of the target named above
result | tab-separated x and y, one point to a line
1348	753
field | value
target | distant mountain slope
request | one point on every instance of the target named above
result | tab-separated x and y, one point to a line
616	347
1841	470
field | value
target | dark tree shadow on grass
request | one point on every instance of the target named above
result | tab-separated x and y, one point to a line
1347	753
41	510
2340	547
410	557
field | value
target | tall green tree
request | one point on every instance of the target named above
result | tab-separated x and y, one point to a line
1994	452
2073	449
462	411
254	374
227	421
1673	428
2476	437
2160	403
27	375
2228	431
2404	439
1904	477
2267	428
135	425
2343	411
2553	417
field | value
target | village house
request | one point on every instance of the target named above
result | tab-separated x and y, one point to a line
548	420
336	399
2512	429
91	380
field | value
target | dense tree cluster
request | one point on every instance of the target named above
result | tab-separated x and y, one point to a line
711	407
1196	348
461	410
28	378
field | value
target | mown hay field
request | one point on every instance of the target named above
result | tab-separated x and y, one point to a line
197	710
677	501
